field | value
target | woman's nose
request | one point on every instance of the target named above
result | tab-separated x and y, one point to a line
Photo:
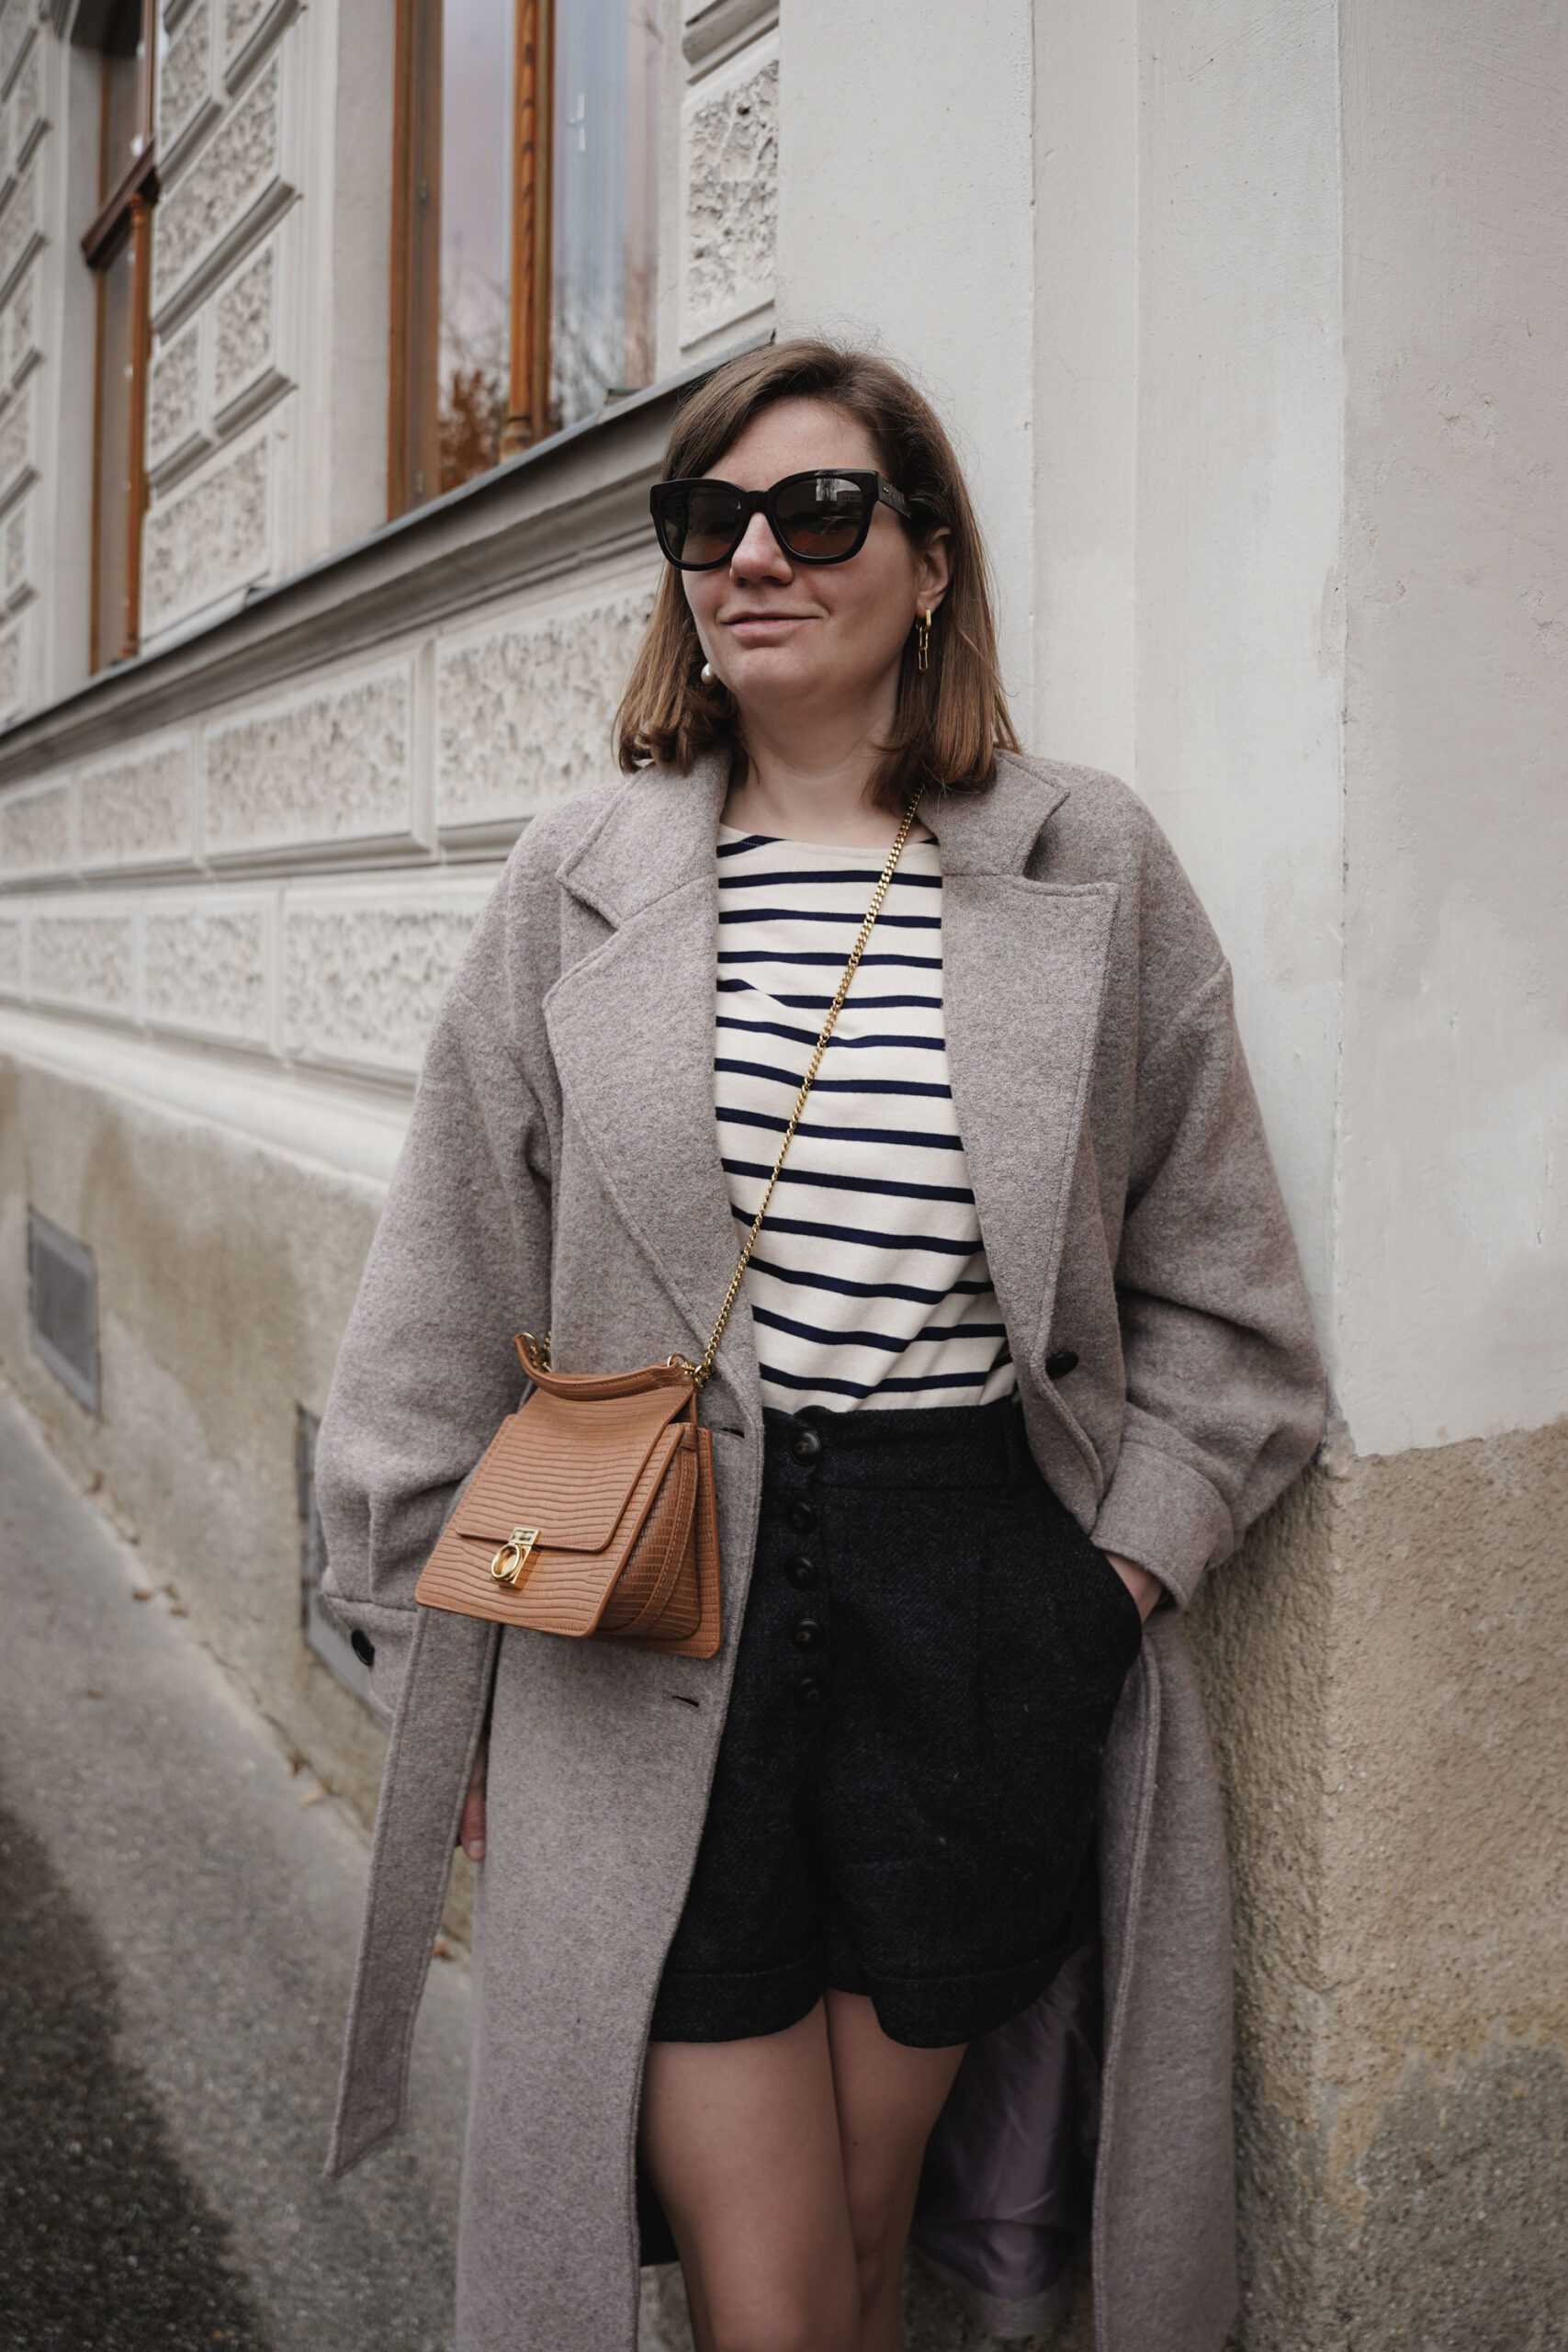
759	556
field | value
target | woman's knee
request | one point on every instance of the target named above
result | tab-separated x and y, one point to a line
788	2325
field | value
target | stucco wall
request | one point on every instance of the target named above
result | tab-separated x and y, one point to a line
1453	1297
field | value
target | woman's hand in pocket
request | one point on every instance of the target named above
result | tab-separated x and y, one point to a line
471	1825
1145	1589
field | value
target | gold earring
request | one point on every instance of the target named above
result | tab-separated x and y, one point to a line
705	673
923	642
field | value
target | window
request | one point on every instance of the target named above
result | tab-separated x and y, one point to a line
523	232
118	249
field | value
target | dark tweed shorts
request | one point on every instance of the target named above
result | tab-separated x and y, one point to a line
904	1800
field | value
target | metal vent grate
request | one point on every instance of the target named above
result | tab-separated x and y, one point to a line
63	1306
322	1631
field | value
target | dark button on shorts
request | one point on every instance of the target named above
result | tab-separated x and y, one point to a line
905	1794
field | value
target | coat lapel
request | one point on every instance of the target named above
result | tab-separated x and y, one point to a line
1024	975
631	1029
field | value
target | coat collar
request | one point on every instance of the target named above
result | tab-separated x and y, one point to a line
658	833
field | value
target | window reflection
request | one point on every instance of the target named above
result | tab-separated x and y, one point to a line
602	329
474	331
525	232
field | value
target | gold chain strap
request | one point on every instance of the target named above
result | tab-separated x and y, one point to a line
700	1372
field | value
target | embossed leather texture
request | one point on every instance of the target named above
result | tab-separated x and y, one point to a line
611	1479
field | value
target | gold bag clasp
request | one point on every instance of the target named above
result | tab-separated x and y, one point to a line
512	1557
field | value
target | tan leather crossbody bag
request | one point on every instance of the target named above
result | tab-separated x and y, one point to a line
591	1511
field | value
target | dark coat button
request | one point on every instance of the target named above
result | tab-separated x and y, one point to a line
1058	1365
805	1445
801	1572
800	1518
807	1634
361	1645
808	1691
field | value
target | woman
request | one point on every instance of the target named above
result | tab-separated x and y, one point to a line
1023	1349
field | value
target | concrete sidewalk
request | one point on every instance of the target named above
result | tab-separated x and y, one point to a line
179	1910
177	1946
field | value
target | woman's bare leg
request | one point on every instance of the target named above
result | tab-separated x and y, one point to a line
742	2139
787	2167
887	2096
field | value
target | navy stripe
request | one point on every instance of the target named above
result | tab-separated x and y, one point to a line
905	1139
785	879
777	1379
886	1188
804	1278
809	1036
873	1338
854	1235
834	1085
829	915
828	961
820	1003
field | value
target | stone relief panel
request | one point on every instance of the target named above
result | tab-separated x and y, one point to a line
19	227
204	968
16	26
174	414
203	541
140	809
240	19
16	442
330	766
35	831
13	968
732	169
10	670
185	76
242	329
18	565
525	711
24	343
363	979
222	182
27	102
83	960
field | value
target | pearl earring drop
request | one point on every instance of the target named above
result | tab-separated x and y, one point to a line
706	674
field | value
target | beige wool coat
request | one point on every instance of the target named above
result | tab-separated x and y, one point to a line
562	1170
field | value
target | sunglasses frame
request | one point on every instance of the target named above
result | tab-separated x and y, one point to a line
762	502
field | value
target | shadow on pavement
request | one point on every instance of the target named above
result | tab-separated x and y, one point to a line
103	2242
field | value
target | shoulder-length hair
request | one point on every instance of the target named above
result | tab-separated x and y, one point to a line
950	718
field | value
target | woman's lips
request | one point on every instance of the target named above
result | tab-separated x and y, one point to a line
758	627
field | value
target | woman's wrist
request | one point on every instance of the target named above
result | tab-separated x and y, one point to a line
1145	1588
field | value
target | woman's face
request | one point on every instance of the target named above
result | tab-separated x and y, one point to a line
797	637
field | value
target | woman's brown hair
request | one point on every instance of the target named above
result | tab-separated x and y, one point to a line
950	719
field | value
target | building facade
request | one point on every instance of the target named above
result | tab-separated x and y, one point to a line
338	344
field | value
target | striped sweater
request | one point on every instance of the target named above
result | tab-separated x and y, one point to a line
869	1284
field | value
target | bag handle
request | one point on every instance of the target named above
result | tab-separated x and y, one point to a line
699	1372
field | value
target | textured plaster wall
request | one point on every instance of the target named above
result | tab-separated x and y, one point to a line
1380	1676
1453	1302
226	1272
909	217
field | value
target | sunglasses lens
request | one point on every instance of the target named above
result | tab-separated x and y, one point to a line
701	521
821	517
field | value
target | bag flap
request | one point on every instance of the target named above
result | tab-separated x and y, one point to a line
566	1466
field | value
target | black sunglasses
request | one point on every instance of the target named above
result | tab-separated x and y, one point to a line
820	517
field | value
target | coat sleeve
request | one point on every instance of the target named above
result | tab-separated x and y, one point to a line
1226	1392
460	1261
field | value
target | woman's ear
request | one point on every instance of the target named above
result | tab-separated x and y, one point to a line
933	568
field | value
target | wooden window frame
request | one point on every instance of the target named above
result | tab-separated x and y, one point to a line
126	214
413	474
